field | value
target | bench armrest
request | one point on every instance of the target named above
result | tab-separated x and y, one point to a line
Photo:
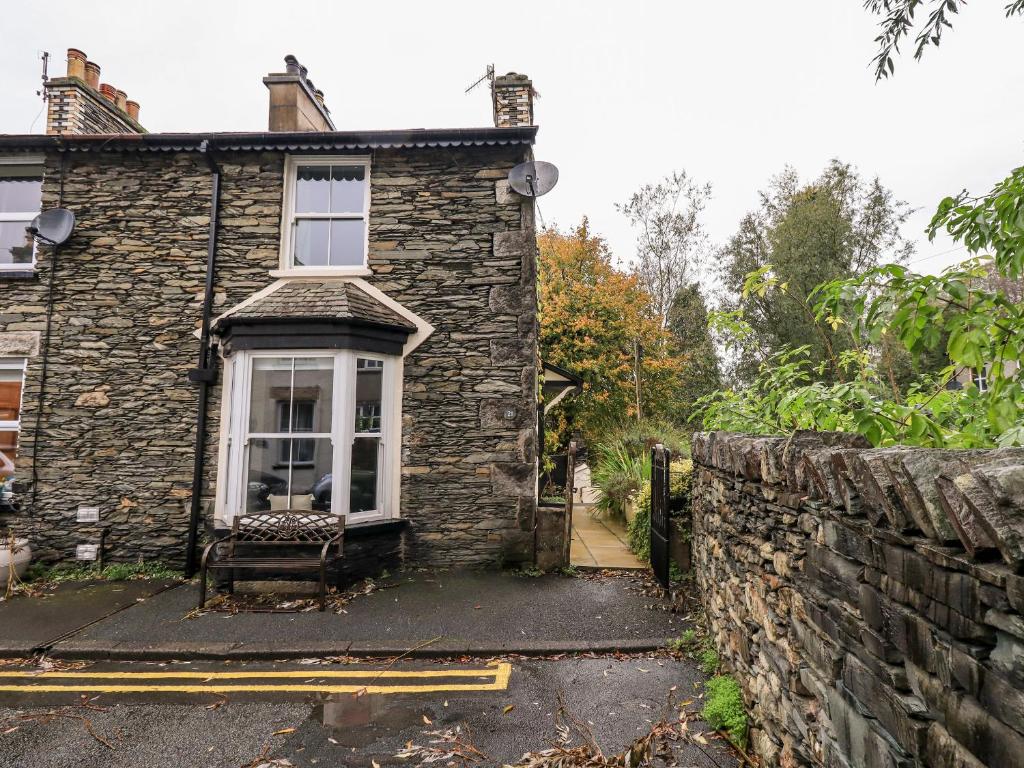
210	547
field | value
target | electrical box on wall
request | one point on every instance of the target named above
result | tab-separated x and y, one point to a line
88	514
86	551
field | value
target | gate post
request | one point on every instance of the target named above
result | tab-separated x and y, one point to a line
661	461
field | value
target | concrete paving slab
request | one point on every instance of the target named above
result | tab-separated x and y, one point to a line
29	624
480	613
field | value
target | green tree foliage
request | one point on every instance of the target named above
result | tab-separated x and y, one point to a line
898	23
972	312
688	324
802	235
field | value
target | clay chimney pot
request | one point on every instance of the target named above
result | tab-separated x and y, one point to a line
108	92
76	63
92	75
121	100
132	108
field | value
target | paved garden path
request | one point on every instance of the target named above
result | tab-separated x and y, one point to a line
599	543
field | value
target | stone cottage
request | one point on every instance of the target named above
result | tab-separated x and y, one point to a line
296	318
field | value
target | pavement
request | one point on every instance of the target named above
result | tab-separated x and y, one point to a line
600	543
421	614
515	707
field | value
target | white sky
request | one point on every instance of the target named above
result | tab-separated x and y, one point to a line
730	91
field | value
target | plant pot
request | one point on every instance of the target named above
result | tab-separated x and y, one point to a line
20	560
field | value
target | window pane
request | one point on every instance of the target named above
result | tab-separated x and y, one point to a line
348	242
21	189
9	451
10	394
369	380
314	387
313	189
363	494
16	243
312	238
348	189
270	394
286	473
268	475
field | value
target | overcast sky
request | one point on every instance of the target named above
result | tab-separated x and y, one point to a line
729	91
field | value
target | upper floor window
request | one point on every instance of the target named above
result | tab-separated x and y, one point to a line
21	192
327	202
980	378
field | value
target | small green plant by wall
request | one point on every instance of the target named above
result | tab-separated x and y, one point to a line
724	710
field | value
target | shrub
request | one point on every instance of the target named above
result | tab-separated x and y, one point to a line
617	474
709	660
724	710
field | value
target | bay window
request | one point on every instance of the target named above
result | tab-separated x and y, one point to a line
21	191
308	431
327	202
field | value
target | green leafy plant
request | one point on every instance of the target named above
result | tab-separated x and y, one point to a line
724	709
113	572
709	659
685	642
617	474
639	529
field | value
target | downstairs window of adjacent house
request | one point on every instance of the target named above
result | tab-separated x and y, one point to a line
311	431
12	374
21	190
329	202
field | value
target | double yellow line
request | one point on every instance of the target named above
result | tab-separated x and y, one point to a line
124	682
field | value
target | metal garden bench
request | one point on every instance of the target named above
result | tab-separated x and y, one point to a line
256	542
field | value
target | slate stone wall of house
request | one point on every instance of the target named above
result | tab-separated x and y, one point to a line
869	601
117	426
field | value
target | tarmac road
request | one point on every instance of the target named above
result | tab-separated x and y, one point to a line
224	714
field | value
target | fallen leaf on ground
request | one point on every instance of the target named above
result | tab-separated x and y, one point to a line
508	709
284	731
427	720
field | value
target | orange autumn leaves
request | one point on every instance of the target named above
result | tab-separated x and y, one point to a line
591	316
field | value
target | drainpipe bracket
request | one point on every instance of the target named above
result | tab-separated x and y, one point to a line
203	375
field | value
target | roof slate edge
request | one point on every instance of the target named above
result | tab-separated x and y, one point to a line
351	140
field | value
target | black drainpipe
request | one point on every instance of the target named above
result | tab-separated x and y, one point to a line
205	373
45	351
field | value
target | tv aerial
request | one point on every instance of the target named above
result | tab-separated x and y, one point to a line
533	178
53	226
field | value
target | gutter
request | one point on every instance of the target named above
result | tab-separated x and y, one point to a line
205	372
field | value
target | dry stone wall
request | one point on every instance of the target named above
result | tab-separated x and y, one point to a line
117	424
869	601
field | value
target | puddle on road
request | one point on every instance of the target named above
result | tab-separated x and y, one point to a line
361	721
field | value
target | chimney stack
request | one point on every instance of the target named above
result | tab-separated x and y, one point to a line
295	105
79	104
513	100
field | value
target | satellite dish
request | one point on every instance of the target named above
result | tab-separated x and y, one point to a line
534	178
54	226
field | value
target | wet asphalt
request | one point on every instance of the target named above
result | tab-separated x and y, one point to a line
617	699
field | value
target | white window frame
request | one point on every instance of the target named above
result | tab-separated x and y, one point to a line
33	160
15	364
979	377
237	388
287	268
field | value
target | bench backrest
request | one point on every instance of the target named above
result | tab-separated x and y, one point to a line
287	526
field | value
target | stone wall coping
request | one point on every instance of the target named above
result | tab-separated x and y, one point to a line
969	499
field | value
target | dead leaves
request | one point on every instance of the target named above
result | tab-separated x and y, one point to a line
450	745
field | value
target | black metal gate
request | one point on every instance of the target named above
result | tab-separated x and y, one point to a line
661	461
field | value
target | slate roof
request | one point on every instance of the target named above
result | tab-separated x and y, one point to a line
319	300
284	141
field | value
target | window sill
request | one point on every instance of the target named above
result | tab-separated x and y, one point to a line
314	272
18	274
